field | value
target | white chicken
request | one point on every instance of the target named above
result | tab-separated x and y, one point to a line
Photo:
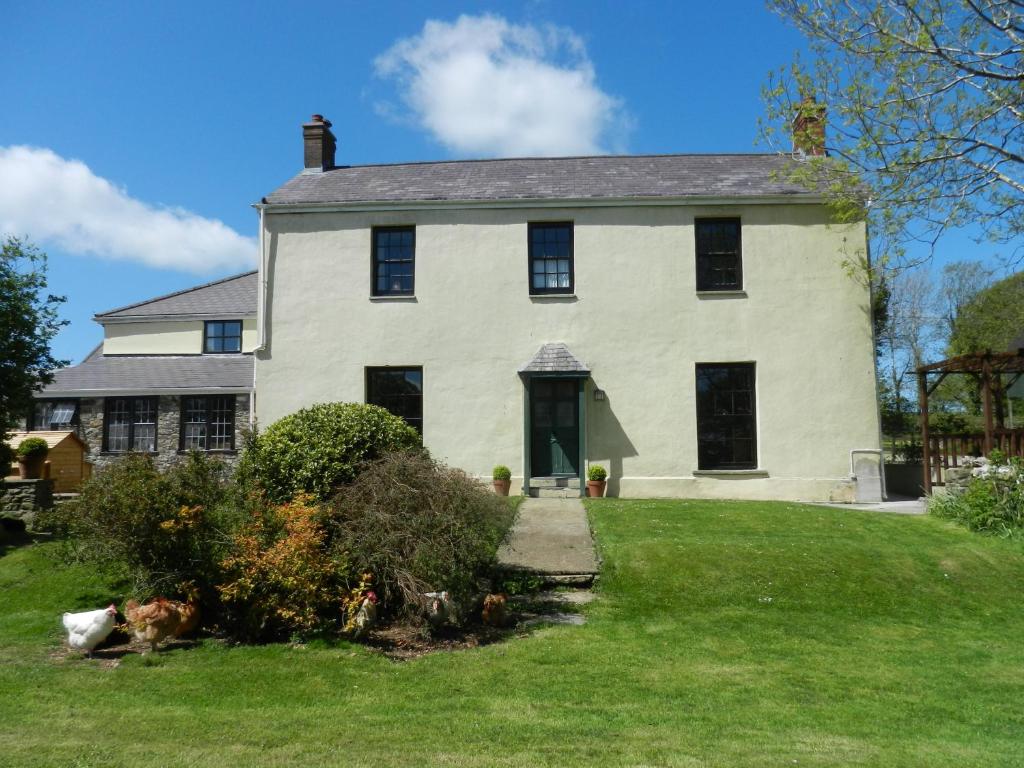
88	629
439	608
366	616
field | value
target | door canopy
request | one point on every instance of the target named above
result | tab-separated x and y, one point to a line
555	359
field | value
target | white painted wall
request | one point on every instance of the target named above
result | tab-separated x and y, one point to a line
636	320
165	337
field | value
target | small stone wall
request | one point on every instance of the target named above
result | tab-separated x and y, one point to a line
20	500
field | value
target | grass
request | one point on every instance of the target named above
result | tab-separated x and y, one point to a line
732	634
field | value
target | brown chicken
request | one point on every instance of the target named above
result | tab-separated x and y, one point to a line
495	613
159	619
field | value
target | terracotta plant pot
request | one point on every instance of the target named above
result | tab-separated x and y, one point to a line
595	488
501	487
31	468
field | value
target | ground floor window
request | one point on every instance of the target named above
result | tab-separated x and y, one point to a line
400	390
726	426
130	424
208	423
54	414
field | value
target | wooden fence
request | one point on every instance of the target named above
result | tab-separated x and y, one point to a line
949	451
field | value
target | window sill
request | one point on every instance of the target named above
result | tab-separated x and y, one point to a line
741	294
125	453
397	297
553	297
219	452
730	473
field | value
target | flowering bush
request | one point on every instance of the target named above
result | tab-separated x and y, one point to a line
991	501
280	579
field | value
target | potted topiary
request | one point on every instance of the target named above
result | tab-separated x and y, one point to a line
502	479
596	480
31	455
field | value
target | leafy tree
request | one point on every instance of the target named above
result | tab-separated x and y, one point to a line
994	320
925	104
28	322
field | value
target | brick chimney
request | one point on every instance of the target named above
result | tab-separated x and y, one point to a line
318	143
809	128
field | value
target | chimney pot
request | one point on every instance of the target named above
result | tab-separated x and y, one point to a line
809	128
318	144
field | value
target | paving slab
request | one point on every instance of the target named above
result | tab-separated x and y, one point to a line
550	537
901	507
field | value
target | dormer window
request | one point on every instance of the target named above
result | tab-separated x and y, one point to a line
222	336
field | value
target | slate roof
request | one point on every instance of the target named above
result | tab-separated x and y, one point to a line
234	295
555	358
575	178
153	373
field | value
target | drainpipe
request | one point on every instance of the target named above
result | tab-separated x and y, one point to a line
261	338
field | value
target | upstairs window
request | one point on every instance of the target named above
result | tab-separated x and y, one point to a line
130	424
719	264
551	260
208	423
726	427
394	256
54	415
222	336
399	390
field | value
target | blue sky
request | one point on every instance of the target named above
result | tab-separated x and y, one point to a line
134	137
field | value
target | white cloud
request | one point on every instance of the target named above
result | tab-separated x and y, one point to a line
53	200
483	86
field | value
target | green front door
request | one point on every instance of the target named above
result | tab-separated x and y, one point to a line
555	427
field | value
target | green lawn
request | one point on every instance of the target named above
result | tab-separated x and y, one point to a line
732	634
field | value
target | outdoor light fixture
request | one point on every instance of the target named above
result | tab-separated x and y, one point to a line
599	394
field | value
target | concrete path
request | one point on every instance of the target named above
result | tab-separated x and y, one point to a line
550	537
895	507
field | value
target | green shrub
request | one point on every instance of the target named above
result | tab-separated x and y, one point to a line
992	501
501	472
418	526
162	532
596	472
318	449
32	448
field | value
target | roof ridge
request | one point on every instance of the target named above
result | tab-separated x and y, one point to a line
560	157
175	293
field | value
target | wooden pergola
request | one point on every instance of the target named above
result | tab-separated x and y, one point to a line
988	369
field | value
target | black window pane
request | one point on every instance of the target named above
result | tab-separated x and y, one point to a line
719	264
399	390
726	425
223	336
393	258
551	258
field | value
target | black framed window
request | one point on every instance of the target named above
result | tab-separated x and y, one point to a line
54	414
726	425
222	336
399	390
208	423
394	257
551	259
719	261
129	424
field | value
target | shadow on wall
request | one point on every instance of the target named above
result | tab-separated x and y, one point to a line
607	440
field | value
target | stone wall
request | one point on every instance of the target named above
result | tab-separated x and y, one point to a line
168	431
20	500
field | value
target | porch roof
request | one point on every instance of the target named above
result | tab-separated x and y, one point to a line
554	359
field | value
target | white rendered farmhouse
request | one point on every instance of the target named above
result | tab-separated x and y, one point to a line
684	320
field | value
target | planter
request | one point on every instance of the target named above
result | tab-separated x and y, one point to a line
31	467
595	488
501	487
